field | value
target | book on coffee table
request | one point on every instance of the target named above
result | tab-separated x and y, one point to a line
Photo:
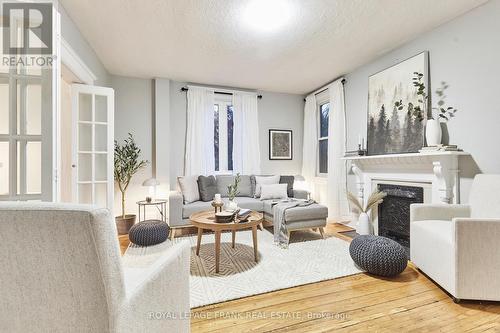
244	212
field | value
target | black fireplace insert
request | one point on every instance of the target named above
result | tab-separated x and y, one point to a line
394	212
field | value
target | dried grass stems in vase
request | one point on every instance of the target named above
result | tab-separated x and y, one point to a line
364	226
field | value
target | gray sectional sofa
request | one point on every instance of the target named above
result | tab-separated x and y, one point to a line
312	216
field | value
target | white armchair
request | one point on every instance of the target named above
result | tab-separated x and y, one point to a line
61	271
458	246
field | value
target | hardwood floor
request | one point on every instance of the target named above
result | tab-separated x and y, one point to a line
359	303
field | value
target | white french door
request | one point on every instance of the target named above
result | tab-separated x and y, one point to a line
93	145
28	111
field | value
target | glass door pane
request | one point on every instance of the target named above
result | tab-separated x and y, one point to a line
33	170
101	167
4	106
4	168
101	108
33	118
84	137
85	107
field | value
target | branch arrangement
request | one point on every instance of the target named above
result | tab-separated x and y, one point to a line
419	111
232	190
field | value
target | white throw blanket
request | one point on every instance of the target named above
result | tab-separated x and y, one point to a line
279	224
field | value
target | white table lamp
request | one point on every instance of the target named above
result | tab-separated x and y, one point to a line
151	183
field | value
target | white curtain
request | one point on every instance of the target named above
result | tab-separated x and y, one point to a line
246	144
338	207
310	142
199	158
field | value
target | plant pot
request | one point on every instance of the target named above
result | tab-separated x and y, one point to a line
231	205
364	226
433	132
123	224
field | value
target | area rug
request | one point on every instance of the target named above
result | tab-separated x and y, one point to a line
308	259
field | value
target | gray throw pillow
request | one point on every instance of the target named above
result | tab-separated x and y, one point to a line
244	189
207	187
289	181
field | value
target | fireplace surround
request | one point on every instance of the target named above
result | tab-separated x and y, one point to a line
436	172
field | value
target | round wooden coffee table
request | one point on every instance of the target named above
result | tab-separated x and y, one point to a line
206	221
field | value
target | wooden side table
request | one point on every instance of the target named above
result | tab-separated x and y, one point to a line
161	204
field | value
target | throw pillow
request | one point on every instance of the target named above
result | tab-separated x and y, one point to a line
223	181
259	181
189	188
274	191
289	181
244	188
207	187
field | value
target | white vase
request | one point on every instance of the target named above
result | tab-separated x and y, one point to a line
231	205
433	133
364	226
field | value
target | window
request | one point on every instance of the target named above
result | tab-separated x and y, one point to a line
223	133
324	110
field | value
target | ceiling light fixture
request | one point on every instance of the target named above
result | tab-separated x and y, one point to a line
267	15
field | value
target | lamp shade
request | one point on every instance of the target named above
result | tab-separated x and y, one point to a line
299	178
150	182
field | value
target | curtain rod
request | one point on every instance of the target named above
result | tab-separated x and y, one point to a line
326	88
219	92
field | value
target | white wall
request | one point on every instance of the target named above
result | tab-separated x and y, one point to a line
281	111
465	53
163	139
133	114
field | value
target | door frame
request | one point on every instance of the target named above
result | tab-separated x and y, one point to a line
77	89
70	59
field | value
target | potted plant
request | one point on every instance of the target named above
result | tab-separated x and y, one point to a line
433	132
232	192
364	226
127	163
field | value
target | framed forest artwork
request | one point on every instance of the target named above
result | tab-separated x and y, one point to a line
280	144
393	130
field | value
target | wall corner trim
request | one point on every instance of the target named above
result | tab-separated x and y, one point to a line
72	60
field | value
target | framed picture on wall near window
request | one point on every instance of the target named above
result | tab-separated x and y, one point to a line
280	144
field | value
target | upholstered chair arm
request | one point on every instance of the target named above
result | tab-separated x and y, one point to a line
300	194
477	258
160	302
422	212
175	203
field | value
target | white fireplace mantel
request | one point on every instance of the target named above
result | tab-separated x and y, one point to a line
440	169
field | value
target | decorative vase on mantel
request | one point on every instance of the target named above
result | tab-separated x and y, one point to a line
433	132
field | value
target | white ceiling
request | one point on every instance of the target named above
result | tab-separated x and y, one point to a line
208	42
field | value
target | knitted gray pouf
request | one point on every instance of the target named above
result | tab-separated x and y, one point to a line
148	232
378	255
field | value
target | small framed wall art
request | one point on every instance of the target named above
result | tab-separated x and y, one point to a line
280	144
